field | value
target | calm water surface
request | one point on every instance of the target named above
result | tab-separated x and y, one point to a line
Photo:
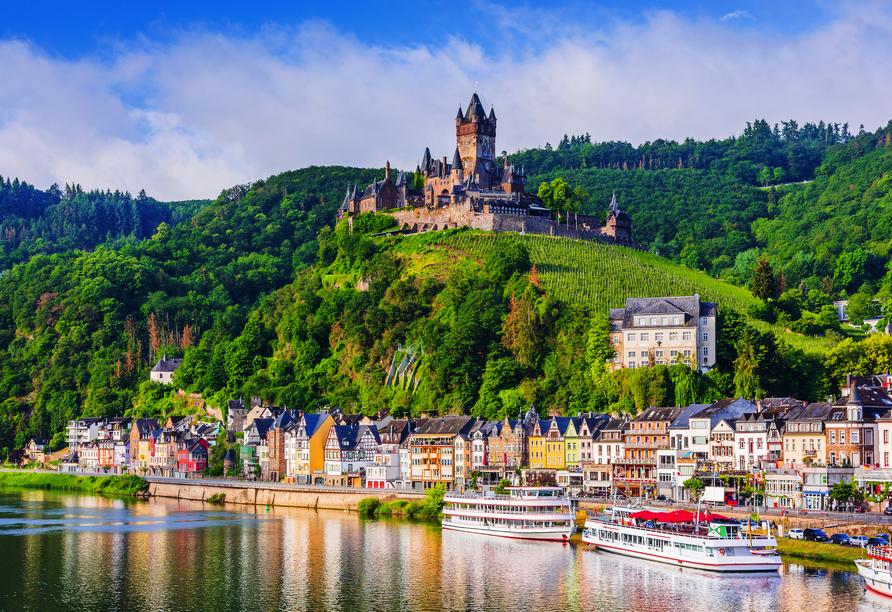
71	552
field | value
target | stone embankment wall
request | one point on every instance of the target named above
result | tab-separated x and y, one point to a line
276	496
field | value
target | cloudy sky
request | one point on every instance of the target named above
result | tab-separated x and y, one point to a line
185	99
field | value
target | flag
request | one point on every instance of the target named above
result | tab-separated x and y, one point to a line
783	513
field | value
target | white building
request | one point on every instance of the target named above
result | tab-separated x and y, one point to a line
385	472
84	430
664	331
702	424
721	445
609	443
164	370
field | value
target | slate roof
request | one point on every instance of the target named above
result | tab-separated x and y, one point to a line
312	423
686	305
262	426
474	108
348	436
659	414
145	426
869	398
682	421
456	161
167	365
450	425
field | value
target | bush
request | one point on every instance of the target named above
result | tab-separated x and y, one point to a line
414	509
367	506
433	501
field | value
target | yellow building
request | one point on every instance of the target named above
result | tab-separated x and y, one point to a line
805	438
305	447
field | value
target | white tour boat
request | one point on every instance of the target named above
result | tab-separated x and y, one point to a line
876	570
529	513
679	539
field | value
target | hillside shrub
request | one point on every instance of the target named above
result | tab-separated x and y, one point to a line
367	506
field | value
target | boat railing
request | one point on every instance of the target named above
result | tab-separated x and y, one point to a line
681	532
880	552
512	510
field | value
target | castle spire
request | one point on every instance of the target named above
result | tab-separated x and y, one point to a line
613	205
456	161
460	114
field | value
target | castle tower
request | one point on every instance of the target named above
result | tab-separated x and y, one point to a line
475	134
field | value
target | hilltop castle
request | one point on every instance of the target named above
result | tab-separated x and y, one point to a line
475	191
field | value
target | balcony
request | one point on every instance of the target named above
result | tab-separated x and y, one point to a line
627	461
649	446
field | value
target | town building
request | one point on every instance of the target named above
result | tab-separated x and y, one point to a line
636	473
349	451
805	440
664	331
432	450
852	434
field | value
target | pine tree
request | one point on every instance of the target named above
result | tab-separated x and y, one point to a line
763	280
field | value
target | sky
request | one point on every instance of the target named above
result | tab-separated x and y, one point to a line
186	99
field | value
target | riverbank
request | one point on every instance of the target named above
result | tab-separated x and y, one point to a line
820	551
113	485
265	494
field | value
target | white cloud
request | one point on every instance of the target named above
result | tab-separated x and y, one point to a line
189	118
738	14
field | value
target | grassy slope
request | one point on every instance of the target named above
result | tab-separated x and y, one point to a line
118	485
593	275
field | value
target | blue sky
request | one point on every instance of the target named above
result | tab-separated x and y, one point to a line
185	99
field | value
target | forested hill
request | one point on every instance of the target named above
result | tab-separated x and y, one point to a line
719	205
35	222
79	330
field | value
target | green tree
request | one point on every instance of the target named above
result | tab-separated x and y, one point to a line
695	487
861	306
763	283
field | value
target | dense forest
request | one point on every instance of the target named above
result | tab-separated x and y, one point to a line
35	222
262	294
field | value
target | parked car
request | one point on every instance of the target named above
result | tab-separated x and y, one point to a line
661	498
814	535
885	536
842	539
795	534
858	541
888	511
877	542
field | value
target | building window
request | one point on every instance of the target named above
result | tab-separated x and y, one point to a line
686	336
704	321
705	336
687	353
674	320
854	436
645	337
641	321
673	336
631	353
842	436
616	339
653	320
630	337
658	336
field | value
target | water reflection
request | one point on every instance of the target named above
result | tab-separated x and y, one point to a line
81	552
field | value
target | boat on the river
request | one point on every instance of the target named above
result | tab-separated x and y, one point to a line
684	539
876	570
529	513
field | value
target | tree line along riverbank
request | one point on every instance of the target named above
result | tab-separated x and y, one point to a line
114	485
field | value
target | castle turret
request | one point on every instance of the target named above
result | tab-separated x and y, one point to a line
457	169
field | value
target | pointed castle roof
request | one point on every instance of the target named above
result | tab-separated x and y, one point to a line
456	161
474	108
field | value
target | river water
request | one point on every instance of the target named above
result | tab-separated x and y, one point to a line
71	552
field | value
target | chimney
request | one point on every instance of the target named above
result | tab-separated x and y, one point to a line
164	357
758	405
387	171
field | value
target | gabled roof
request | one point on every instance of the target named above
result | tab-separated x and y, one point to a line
426	159
144	426
262	426
683	418
167	365
313	422
658	414
449	425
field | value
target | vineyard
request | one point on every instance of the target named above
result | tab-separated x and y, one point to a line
597	277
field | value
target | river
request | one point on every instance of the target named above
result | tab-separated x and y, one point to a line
72	552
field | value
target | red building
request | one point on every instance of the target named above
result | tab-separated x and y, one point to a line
193	458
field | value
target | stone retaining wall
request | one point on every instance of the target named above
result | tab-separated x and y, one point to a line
298	498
